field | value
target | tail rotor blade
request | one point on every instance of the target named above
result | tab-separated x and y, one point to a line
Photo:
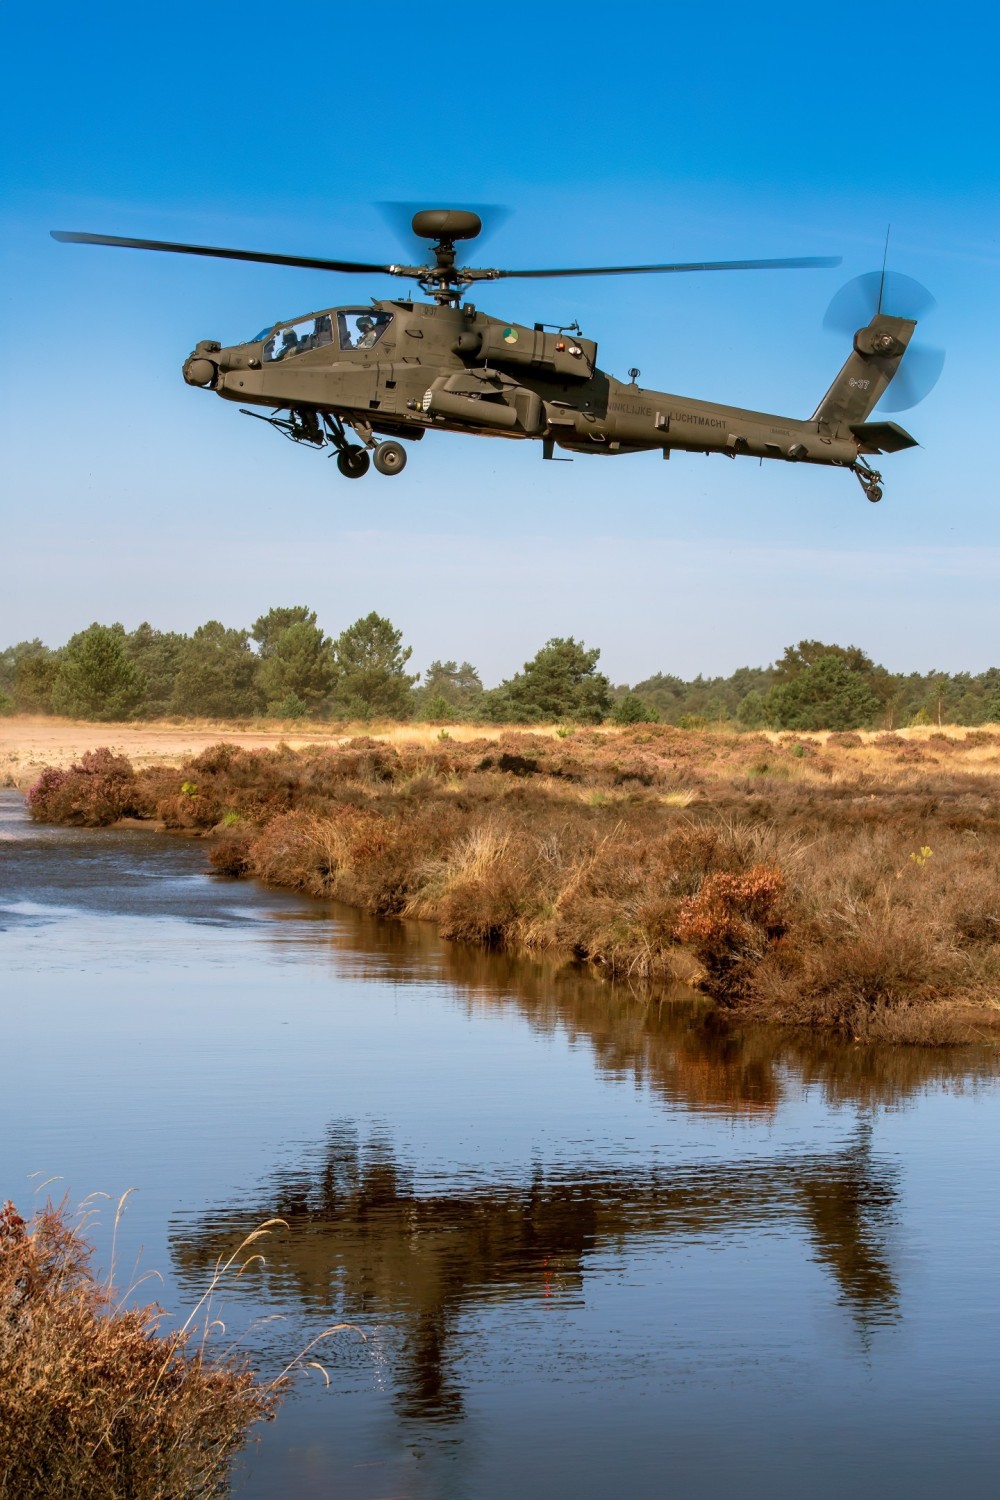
919	372
858	301
901	296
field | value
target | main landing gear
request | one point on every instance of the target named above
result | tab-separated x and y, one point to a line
354	461
869	479
389	458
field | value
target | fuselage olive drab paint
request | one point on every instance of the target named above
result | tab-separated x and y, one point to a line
392	370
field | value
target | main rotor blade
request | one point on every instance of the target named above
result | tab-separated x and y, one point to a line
797	263
306	262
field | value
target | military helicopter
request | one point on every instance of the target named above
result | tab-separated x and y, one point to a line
361	378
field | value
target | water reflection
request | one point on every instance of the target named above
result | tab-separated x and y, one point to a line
364	1243
676	1043
704	1265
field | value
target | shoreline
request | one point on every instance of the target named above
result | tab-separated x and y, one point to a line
833	883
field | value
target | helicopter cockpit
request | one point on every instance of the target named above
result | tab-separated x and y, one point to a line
361	327
356	328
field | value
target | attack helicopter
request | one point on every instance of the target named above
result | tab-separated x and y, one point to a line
363	380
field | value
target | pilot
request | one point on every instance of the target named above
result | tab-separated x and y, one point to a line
289	343
367	332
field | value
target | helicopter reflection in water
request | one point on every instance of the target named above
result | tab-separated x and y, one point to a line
365	1244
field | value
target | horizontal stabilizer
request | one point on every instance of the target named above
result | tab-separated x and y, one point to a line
883	437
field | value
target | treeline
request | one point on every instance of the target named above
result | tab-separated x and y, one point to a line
819	686
285	667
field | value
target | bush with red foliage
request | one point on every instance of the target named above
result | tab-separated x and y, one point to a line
731	922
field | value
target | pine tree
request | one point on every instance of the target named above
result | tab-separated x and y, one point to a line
371	682
96	679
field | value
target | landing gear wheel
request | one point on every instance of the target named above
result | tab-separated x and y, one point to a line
869	479
353	462
390	458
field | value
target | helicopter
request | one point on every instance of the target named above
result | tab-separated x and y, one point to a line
363	380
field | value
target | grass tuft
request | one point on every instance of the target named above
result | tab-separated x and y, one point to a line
95	1401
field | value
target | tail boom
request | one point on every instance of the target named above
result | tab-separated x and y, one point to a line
864	379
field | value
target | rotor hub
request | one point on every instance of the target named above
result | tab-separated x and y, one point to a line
446	224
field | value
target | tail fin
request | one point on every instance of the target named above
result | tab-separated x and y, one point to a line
862	382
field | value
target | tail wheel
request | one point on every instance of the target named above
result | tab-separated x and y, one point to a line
875	493
353	462
390	458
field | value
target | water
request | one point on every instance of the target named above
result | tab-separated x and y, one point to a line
594	1247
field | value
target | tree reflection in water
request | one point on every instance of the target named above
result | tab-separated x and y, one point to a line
368	1244
675	1043
364	1244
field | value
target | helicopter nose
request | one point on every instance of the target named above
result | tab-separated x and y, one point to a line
198	370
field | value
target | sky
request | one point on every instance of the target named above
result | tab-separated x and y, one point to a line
613	135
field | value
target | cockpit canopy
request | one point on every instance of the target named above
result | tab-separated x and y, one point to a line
349	328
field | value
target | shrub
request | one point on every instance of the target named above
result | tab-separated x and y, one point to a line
98	791
291	707
94	1400
731	923
634	710
231	856
753	711
437	710
619	848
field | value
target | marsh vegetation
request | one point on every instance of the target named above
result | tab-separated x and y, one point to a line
95	1399
826	882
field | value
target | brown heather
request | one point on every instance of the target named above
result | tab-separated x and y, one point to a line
836	881
95	1403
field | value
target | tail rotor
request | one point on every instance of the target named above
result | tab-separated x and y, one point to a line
902	297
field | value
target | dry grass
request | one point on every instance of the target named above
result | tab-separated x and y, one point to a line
784	874
96	1403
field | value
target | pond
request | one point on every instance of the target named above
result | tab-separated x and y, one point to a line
594	1246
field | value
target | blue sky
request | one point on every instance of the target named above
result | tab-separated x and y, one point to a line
615	134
